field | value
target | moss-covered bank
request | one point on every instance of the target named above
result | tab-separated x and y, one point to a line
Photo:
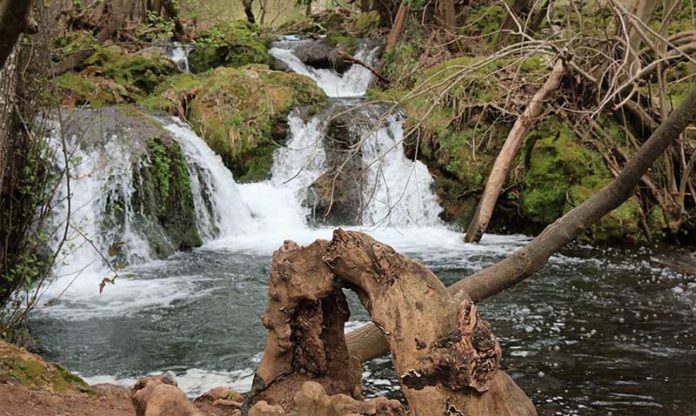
240	112
18	366
234	44
458	131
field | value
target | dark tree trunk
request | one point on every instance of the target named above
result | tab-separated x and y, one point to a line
15	19
249	11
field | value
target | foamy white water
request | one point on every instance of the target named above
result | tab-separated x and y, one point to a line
352	83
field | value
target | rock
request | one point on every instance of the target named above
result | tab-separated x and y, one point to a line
336	197
264	409
221	393
313	400
235	44
21	367
320	53
111	390
156	396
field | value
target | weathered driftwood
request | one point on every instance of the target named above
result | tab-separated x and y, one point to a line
446	356
305	321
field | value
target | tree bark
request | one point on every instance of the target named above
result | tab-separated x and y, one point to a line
249	11
173	14
367	343
507	154
446	356
15	19
396	31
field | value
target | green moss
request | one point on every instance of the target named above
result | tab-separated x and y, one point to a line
170	95
241	114
30	370
165	194
484	20
233	44
142	70
96	91
115	76
563	173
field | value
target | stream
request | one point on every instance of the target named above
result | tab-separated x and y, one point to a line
596	332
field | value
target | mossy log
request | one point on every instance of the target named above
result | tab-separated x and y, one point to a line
446	356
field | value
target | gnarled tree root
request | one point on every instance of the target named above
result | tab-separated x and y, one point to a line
445	355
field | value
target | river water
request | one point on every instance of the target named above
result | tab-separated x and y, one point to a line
596	332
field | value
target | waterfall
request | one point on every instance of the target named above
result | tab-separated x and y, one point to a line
179	53
219	209
397	191
101	177
353	83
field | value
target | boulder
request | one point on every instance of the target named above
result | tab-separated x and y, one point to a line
320	53
336	197
159	396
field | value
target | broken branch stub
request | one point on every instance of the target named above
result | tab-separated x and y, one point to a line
305	321
446	357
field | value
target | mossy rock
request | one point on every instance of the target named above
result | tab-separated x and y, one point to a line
164	194
563	173
171	95
232	44
17	365
143	69
77	88
115	76
242	114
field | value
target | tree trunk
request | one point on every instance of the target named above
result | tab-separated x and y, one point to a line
507	154
172	13
367	343
15	19
520	9
447	14
117	16
249	11
396	31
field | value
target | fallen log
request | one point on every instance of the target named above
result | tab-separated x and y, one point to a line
367	342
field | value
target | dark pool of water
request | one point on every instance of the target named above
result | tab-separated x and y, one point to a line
597	332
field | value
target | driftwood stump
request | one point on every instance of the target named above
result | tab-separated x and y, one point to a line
446	356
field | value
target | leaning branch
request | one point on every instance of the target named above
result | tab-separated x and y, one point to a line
368	342
507	154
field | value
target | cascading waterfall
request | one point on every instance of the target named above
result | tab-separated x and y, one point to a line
399	190
353	83
219	208
250	219
179	53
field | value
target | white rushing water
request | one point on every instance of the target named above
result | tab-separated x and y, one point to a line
179	53
353	83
